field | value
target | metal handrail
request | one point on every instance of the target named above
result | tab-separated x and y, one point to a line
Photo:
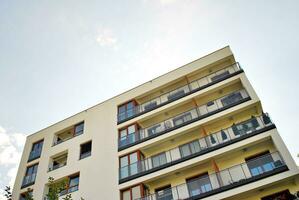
239	173
210	141
194	114
179	92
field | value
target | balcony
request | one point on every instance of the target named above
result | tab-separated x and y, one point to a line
58	162
180	92
28	180
235	176
35	154
69	133
222	138
195	114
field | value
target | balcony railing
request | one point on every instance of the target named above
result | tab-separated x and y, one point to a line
28	180
54	167
198	147
185	118
223	180
34	154
69	190
185	90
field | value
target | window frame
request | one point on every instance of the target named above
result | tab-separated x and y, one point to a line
194	178
128	155
136	125
141	186
68	178
32	149
80	155
158	156
125	105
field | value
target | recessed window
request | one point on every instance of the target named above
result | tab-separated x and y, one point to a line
126	110
58	161
128	134
231	98
85	150
190	148
129	164
164	193
30	175
79	129
159	159
132	193
69	133
36	150
72	185
245	127
199	184
182	119
260	163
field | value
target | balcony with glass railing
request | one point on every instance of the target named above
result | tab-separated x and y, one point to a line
235	176
28	180
195	114
195	148
180	92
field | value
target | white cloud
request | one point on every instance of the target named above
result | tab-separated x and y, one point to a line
105	37
165	2
9	155
11	145
19	139
12	175
1	194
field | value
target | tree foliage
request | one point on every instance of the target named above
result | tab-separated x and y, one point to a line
55	188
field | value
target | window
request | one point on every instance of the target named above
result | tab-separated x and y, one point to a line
30	175
126	110
182	119
150	106
85	149
154	130
26	194
220	76
36	150
129	164
79	129
159	160
190	148
199	184
260	163
69	133
232	98
132	193
164	193
58	161
72	185
245	127
283	195
128	134
176	94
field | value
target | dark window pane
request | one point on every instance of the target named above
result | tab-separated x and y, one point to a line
79	129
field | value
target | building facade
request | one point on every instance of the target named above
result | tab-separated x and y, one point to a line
198	132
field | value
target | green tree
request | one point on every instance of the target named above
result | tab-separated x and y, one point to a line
55	188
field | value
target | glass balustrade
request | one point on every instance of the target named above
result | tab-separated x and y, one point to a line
237	175
182	119
180	92
197	147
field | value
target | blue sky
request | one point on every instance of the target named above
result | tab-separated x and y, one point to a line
60	57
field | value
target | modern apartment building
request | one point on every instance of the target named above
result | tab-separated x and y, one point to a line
198	132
